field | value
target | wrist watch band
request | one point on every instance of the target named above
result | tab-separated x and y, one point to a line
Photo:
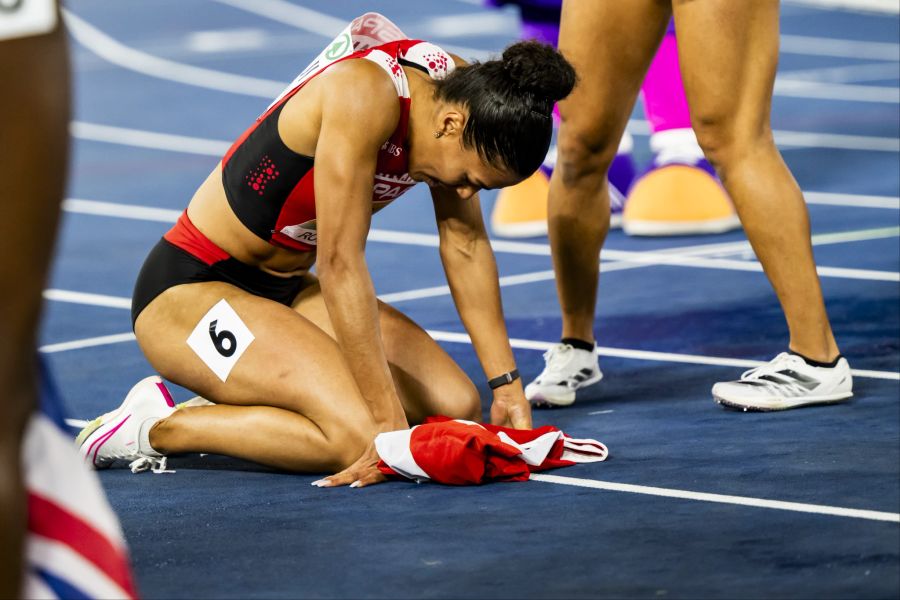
504	379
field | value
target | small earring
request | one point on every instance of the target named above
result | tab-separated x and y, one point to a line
438	134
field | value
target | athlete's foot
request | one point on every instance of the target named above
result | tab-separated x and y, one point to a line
568	369
787	381
123	434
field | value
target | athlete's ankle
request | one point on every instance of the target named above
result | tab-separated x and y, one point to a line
822	358
154	436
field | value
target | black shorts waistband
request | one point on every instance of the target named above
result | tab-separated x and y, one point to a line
167	265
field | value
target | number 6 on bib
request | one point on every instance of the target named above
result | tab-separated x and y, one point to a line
220	338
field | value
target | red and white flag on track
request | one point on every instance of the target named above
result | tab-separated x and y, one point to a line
460	452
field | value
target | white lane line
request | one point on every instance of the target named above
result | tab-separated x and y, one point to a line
644	257
787	140
880	71
694	359
121	211
455	337
103	340
858	200
147	139
887	7
818	509
839	48
124	56
836	91
686	257
836	141
793	140
226	40
302	18
89	299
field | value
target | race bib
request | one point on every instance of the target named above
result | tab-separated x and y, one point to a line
220	339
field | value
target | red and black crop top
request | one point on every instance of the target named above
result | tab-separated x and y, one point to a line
270	187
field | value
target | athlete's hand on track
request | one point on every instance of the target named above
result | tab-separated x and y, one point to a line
360	474
510	408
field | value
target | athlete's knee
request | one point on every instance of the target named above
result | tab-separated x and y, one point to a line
467	402
347	436
584	155
347	446
725	140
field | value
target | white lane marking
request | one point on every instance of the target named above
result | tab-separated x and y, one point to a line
684	257
837	141
124	56
103	340
125	136
887	7
463	338
226	40
305	19
818	509
880	71
644	257
694	359
858	200
836	91
147	139
839	48
490	22
89	299
122	211
76	423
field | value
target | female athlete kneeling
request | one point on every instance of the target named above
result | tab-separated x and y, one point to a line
304	371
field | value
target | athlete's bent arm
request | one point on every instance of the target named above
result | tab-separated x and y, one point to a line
354	126
472	275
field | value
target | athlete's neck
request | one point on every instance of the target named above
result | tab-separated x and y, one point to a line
422	105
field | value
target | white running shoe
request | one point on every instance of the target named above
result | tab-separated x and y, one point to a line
568	369
117	434
787	381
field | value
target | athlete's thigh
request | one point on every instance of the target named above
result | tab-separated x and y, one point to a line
428	381
728	53
276	356
610	44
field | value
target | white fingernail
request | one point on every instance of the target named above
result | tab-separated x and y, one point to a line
356	483
317	483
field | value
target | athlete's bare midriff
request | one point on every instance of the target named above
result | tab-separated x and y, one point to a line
210	212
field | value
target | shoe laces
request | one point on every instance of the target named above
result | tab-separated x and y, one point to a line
152	463
771	378
558	358
772	367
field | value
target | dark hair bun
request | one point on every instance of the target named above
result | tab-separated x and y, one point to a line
539	69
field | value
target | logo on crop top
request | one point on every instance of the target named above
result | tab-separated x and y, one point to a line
392	148
339	47
388	187
305	233
264	173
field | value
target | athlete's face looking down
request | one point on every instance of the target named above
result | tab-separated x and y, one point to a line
443	161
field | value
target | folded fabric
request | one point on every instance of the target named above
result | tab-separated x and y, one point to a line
461	452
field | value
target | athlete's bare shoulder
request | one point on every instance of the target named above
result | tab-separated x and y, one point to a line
357	94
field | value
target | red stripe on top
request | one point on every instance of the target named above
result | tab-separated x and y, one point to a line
48	519
187	237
